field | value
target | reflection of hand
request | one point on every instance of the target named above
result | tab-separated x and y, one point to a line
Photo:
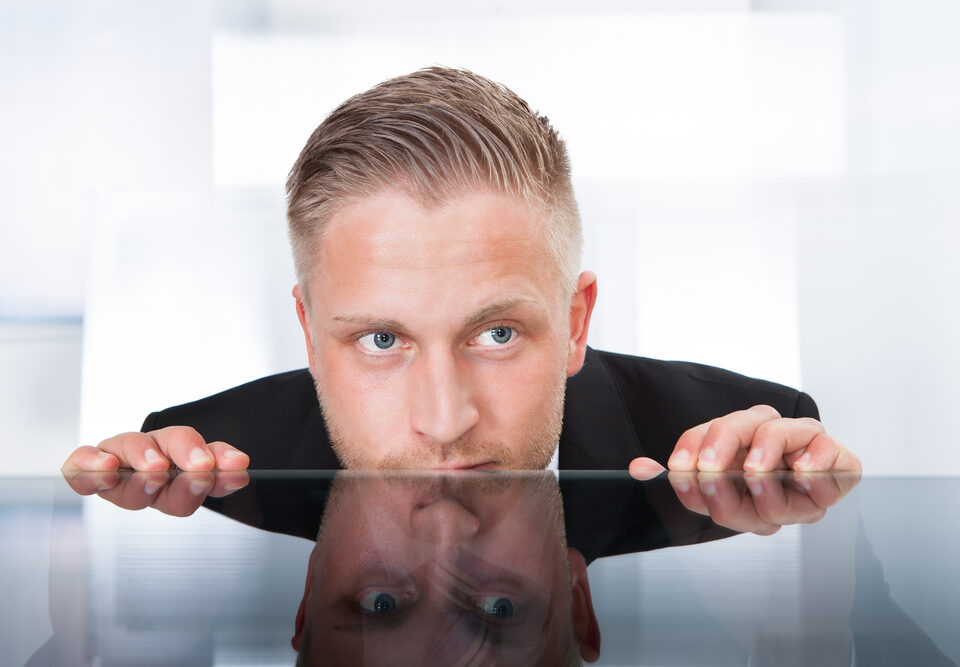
175	494
758	439
761	502
182	446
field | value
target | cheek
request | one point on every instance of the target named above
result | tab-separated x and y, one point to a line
524	388
365	405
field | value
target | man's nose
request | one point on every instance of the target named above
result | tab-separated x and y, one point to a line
442	405
444	523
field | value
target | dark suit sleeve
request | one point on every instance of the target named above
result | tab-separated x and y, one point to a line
150	423
806	407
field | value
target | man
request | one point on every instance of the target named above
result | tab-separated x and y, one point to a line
437	243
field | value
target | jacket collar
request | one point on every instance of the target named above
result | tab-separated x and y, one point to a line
598	433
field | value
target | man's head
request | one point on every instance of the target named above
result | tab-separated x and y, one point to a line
437	243
433	134
445	569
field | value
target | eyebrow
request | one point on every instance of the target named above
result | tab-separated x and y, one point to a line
482	315
494	309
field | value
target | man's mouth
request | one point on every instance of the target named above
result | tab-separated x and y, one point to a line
486	465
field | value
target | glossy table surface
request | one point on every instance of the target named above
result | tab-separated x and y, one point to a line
479	568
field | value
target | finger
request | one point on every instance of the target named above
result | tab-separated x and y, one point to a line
185	447
825	453
780	505
136	491
779	437
687	488
90	458
228	457
139	451
687	449
824	488
87	483
729	434
730	508
185	493
228	482
644	468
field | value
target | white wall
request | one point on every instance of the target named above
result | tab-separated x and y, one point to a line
766	186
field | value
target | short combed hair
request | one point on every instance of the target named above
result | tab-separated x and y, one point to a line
433	133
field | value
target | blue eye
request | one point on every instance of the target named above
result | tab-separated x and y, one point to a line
496	607
495	336
378	603
380	340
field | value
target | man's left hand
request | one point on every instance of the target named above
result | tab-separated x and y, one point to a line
758	440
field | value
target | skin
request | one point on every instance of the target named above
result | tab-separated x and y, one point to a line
440	283
446	396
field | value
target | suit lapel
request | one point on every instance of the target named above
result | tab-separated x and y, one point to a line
313	450
598	433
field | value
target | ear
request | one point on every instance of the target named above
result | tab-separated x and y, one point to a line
581	308
304	609
585	627
304	323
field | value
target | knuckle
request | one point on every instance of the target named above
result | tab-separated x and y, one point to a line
766	411
721	432
814	423
186	436
769	430
689	437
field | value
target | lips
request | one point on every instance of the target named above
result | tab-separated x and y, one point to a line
487	465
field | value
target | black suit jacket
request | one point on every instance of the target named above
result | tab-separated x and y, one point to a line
617	407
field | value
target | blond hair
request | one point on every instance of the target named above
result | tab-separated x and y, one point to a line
433	133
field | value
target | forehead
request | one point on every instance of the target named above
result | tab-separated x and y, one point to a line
468	226
388	242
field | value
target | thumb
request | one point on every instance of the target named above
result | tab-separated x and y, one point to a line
643	468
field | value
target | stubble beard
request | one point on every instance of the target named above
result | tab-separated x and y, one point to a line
533	453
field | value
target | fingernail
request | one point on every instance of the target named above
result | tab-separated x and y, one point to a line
681	485
709	487
756	488
804	482
803	461
679	458
232	454
708	455
151	455
754	458
152	486
103	455
232	487
198	486
198	457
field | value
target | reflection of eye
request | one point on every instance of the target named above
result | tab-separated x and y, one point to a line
497	607
381	340
495	336
378	603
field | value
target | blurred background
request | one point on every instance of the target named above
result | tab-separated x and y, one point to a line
767	186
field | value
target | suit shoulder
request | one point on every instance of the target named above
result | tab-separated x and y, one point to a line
276	399
684	373
657	386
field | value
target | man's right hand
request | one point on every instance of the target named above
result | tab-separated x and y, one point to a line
176	494
174	446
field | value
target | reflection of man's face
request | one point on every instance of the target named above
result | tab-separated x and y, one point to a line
434	570
439	338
